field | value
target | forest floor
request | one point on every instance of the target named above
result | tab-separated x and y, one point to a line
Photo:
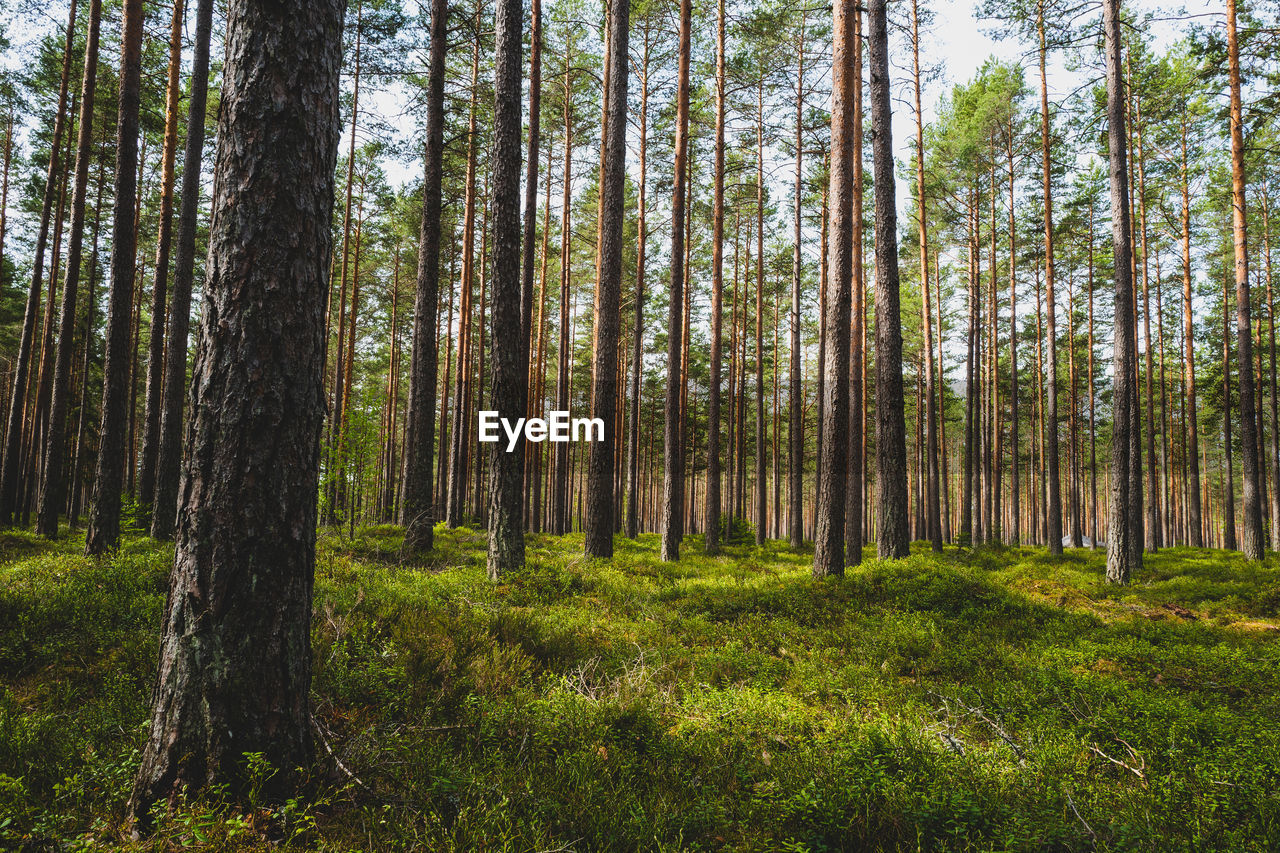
989	699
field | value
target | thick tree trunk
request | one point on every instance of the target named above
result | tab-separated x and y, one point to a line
891	442
673	434
235	667
52	492
608	297
1121	559
416	510
169	454
104	514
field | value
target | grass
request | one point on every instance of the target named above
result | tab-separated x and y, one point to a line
981	700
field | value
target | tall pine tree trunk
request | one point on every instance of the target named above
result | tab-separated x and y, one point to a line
235	664
10	469
159	290
52	492
673	435
104	515
169	454
891	442
416	510
1122	558
1251	539
608	297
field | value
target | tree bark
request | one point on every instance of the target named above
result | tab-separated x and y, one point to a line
235	667
608	297
891	442
1252	542
673	437
855	477
169	454
830	531
1054	503
104	515
416	509
52	491
159	289
1122	558
10	469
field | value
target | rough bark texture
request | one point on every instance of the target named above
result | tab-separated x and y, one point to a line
235	662
1121	561
52	486
673	441
11	470
608	297
159	289
829	526
1252	542
169	455
416	510
506	471
104	515
891	440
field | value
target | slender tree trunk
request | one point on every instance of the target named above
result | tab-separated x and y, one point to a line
416	510
235	665
1122	558
169	453
1252	542
855	423
506	470
795	393
1054	505
159	290
560	490
460	449
1275	403
52	493
891	450
933	510
10	470
637	357
1195	525
673	475
104	515
1228	446
711	537
599	521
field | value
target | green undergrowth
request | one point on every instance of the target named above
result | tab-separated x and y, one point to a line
979	700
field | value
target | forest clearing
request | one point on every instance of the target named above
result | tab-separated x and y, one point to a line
989	700
639	424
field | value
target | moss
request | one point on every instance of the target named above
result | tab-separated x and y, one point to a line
988	699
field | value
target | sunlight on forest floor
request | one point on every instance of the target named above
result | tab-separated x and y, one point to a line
990	699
